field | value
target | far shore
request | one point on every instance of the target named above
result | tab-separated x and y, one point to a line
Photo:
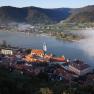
76	39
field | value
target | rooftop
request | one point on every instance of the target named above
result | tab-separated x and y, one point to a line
36	51
4	48
80	65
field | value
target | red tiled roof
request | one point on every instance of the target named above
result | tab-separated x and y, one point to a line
38	52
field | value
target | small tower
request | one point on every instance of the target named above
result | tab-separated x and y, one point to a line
44	47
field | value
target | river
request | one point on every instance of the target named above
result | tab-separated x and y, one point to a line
58	47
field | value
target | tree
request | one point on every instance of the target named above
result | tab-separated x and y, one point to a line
4	43
46	91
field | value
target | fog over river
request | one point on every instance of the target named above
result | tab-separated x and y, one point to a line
87	44
83	49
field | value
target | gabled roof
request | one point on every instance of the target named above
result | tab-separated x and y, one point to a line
36	51
80	65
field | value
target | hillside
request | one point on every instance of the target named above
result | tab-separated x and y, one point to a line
33	15
82	15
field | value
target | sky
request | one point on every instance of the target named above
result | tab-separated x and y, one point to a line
47	3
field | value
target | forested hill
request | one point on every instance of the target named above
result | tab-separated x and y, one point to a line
35	15
82	15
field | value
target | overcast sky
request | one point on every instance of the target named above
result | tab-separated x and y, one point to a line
47	3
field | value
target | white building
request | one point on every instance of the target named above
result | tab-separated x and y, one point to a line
79	68
7	51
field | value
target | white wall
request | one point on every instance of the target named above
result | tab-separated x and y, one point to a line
7	52
80	72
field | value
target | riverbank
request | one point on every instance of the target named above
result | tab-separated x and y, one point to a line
71	50
66	36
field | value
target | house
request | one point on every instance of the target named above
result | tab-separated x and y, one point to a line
79	67
29	58
37	52
8	51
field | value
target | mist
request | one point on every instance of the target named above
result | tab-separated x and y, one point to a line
87	44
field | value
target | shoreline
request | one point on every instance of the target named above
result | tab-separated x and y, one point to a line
67	38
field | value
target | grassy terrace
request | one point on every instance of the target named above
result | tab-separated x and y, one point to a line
68	37
63	35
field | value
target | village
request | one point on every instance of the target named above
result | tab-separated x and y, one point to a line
32	62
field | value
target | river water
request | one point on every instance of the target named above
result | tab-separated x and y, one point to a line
58	47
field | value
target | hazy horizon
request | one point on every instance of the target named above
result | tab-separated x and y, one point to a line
44	7
46	3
